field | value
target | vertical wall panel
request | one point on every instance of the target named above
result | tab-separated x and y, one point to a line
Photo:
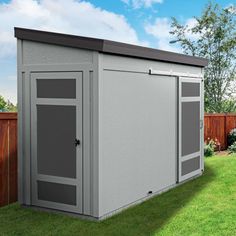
137	113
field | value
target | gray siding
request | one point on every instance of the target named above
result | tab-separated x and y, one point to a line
42	53
40	57
137	136
137	129
112	62
129	146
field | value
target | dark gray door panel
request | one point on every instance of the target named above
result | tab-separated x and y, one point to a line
190	133
56	134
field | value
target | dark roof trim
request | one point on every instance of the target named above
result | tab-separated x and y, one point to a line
107	46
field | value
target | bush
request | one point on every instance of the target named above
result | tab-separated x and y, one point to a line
232	137
232	148
209	148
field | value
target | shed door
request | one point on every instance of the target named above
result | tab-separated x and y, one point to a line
190	128
56	126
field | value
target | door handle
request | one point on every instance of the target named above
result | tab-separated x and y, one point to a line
77	142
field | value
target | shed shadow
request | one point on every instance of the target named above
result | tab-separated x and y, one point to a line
149	217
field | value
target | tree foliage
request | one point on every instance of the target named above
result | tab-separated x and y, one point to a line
213	36
3	103
7	105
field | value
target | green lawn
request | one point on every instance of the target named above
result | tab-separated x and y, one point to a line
204	206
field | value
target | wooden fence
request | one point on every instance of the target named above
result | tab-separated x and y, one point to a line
217	126
8	157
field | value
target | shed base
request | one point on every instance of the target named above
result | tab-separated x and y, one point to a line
92	218
60	212
146	198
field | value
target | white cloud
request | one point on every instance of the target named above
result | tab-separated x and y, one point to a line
160	30
7	43
65	16
8	88
9	93
12	77
190	23
141	3
71	16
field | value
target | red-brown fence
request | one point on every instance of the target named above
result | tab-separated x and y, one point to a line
8	157
217	126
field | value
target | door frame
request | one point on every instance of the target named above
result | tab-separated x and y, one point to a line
78	102
200	152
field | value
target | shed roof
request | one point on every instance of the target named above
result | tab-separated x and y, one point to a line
108	46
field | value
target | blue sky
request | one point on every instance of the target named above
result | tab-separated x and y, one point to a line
142	22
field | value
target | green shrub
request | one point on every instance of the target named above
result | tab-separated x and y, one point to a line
232	148
209	148
232	137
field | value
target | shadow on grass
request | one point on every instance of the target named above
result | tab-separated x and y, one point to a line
146	218
151	216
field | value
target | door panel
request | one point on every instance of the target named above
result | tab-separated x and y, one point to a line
56	88
56	123
54	192
190	89
190	133
56	133
190	128
190	165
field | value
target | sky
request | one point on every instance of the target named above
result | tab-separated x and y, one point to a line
140	22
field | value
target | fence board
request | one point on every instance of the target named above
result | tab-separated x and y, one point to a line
3	163
13	161
217	126
8	158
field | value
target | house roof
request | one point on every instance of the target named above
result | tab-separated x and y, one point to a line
108	46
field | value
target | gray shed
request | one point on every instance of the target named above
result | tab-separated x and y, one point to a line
104	125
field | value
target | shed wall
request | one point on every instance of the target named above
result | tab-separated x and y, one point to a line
36	57
41	53
112	62
128	144
137	131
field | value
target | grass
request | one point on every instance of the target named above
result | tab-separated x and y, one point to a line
204	206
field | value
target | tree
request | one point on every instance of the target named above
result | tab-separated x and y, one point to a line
7	106
213	37
3	103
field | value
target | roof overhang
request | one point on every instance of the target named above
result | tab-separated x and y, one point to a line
107	46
